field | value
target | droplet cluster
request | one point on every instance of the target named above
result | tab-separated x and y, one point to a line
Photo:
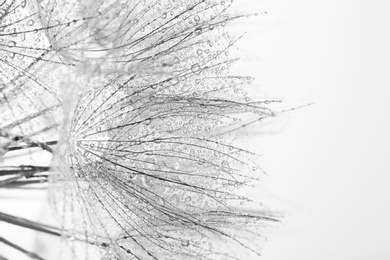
141	96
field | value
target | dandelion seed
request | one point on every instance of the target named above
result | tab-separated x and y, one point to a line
146	166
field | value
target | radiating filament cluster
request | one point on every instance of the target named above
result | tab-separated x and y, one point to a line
145	109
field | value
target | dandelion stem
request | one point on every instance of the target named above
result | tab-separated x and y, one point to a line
22	222
24	170
44	146
3	258
21	183
20	172
20	249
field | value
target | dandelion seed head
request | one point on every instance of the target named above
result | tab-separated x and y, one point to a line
148	164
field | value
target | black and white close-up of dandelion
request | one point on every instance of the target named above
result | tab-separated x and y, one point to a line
136	102
140	121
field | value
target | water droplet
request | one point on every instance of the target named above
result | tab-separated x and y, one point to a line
3	12
176	165
201	161
11	44
199	52
225	166
196	68
174	81
147	121
198	31
196	18
174	199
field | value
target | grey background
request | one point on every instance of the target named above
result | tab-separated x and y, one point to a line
327	164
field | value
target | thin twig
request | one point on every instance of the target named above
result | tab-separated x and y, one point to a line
20	249
21	184
24	169
44	146
20	172
3	258
22	222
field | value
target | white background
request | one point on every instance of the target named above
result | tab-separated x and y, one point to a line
327	164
